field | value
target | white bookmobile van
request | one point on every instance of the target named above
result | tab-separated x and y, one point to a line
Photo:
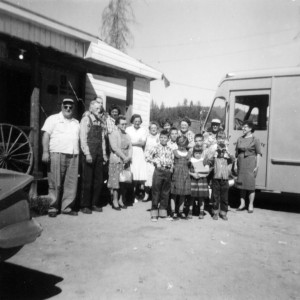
271	99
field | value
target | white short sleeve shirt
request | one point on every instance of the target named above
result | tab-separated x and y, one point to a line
64	134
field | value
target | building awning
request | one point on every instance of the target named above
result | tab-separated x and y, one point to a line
102	53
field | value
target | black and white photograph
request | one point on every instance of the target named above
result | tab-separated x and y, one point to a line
149	149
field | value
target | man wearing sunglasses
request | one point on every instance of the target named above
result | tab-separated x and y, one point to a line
61	149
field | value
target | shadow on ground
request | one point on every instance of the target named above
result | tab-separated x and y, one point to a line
18	282
270	201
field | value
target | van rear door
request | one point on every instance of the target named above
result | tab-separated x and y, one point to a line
284	148
252	105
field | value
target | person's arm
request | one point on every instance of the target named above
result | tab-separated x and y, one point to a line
150	156
191	137
258	156
255	171
113	141
110	125
172	163
84	130
45	143
129	149
155	157
141	142
104	146
236	148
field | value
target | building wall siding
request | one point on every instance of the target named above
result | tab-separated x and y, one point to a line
116	88
28	31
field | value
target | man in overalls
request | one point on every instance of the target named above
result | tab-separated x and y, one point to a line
92	140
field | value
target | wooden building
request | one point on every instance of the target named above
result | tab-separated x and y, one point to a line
43	61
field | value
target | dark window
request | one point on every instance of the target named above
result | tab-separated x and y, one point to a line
253	108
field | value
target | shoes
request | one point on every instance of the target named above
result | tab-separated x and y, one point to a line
154	219
97	208
115	207
215	217
123	206
182	216
201	215
172	217
241	208
86	210
224	217
52	214
70	213
146	198
190	215
136	200
250	209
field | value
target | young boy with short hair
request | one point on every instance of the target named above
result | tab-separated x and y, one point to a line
162	157
199	139
173	134
220	161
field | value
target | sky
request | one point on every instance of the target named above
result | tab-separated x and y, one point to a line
195	42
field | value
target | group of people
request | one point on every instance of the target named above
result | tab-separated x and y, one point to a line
173	167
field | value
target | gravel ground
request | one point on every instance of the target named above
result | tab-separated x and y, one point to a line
123	255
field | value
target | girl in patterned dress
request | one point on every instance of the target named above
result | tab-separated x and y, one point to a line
181	181
199	187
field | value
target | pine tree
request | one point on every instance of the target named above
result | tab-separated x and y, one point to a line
116	18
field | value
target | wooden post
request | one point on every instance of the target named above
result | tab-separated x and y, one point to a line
129	97
35	123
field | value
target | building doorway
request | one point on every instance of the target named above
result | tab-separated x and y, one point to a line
15	90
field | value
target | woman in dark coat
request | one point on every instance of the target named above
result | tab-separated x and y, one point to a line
248	153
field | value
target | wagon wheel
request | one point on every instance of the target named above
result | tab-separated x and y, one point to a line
15	149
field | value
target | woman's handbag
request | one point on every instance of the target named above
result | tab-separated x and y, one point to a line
125	176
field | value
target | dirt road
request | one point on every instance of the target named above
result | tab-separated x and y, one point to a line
122	255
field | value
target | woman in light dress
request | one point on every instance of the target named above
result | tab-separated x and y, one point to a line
151	142
138	136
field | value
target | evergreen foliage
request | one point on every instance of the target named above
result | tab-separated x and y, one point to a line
116	19
174	114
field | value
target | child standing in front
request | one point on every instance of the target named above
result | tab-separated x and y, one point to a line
161	156
181	181
220	161
199	170
173	137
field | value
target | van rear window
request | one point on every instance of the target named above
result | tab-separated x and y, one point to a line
253	108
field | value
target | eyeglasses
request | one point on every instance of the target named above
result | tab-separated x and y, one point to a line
68	107
123	124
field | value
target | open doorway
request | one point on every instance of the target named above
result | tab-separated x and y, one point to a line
15	89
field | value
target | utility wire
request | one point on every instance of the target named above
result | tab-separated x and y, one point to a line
221	54
192	86
213	40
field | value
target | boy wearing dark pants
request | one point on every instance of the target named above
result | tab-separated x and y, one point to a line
220	185
162	158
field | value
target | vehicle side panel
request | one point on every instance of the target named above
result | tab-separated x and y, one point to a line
284	136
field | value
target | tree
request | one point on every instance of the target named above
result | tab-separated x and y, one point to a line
116	18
